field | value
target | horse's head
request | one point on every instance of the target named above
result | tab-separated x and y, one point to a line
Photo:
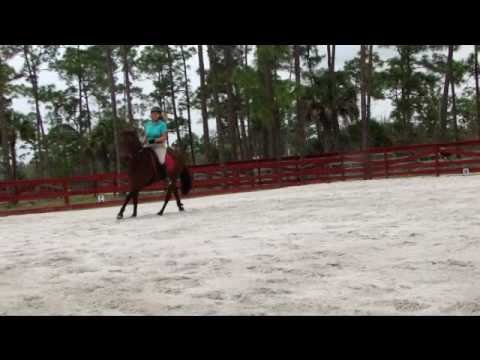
130	142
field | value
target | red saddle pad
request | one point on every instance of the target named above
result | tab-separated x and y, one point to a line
170	162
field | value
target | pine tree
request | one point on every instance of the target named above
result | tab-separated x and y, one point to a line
301	138
34	56
444	108
171	73
113	99
126	51
477	87
6	74
363	95
213	77
186	54
203	104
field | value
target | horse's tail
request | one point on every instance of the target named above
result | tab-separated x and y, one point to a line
186	180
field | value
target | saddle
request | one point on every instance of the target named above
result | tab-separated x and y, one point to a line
166	170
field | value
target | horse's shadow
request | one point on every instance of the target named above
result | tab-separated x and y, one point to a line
158	217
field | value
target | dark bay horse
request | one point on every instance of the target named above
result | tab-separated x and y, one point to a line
143	170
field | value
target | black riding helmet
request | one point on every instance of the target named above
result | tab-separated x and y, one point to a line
156	109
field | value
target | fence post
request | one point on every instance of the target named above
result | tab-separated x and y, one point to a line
300	170
259	174
385	160
224	176
437	160
237	179
66	195
15	195
365	166
296	171
278	173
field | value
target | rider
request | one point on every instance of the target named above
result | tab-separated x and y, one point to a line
156	134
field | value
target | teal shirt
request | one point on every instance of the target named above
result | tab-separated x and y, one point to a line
153	130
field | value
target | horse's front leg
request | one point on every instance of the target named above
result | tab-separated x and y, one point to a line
122	210
167	198
177	197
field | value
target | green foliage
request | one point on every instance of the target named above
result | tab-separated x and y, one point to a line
259	95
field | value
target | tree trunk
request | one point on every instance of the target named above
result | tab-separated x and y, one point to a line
216	105
250	136
242	135
203	105
454	111
126	77
13	152
404	103
172	94
81	125
231	112
301	140
370	83
323	141
444	108
244	141
187	96
160	99
113	99
4	136
33	78
87	108
477	89
267	69
266	143
332	91
363	95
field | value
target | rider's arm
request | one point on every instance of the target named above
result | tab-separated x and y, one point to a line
162	138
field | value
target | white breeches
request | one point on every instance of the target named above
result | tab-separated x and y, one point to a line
160	150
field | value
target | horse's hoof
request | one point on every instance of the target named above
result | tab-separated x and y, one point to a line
119	217
134	216
160	214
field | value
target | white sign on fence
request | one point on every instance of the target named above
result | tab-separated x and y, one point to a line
466	171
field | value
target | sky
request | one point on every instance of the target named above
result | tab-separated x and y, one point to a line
344	53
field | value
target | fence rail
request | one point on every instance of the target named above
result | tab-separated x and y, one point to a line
398	161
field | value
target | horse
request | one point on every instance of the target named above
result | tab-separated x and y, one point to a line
143	170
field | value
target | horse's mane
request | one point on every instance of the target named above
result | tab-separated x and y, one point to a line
131	142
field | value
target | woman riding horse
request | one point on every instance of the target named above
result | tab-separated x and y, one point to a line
156	134
153	162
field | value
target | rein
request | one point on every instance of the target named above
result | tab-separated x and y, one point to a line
153	158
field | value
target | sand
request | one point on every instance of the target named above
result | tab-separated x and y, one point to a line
381	247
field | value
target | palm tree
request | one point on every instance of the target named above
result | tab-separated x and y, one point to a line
320	112
17	127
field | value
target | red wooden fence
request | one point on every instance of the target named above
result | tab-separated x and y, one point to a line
413	160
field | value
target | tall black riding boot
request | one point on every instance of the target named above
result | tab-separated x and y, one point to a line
162	171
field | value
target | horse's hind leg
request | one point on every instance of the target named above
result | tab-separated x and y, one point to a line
127	199
135	203
177	197
167	199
